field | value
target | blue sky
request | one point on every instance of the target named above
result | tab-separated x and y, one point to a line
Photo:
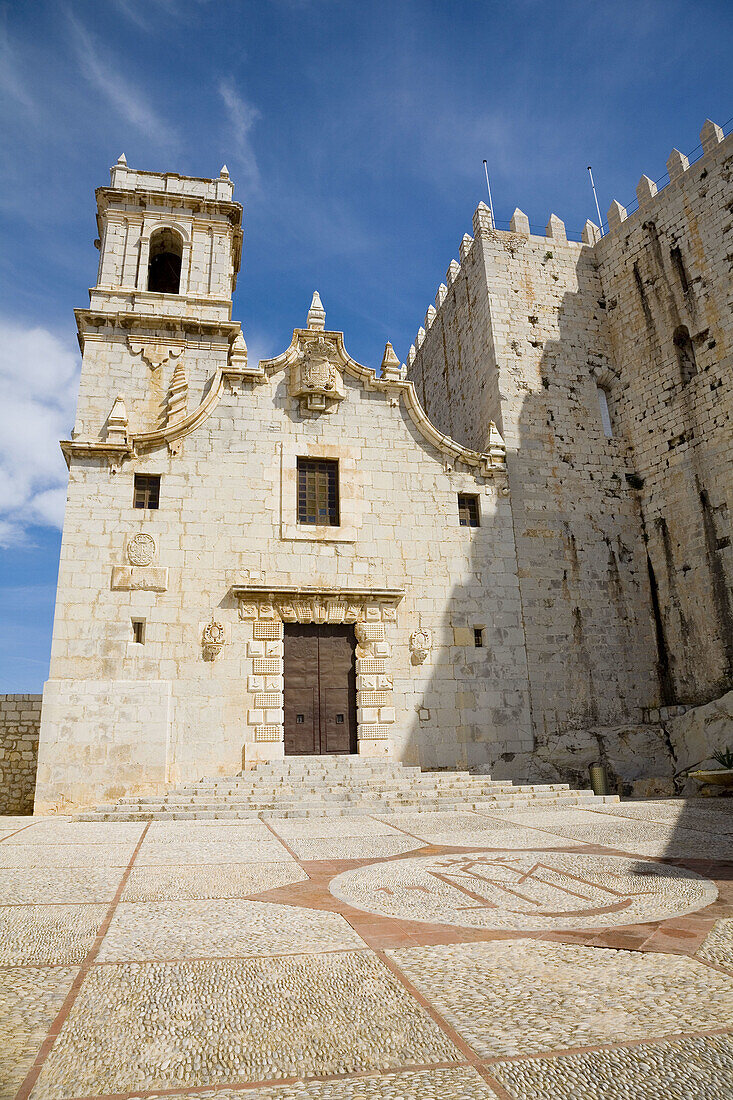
354	132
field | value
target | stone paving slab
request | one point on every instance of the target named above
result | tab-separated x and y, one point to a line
718	945
321	827
462	1083
629	835
221	1021
214	832
30	1000
222	880
682	815
220	928
46	934
474	831
160	852
525	996
693	1068
65	855
350	847
21	886
51	831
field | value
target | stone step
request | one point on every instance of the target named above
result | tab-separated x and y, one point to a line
343	795
583	799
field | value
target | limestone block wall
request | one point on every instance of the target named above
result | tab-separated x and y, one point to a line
543	345
666	277
20	720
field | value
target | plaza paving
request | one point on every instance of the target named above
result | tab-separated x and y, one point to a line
460	955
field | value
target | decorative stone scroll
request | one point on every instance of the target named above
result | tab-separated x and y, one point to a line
421	643
154	352
213	639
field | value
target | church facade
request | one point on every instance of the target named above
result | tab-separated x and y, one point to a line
456	564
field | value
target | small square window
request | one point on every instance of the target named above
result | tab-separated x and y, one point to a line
318	492
138	631
147	491
468	510
478	637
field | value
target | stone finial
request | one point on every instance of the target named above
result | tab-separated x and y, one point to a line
411	355
117	422
452	273
710	136
316	313
224	172
390	364
677	164
440	295
465	246
430	316
616	214
482	219
495	445
591	233
555	228
238	352
177	394
519	223
420	337
646	189
118	172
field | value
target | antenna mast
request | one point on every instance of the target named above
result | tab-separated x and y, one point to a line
488	188
595	196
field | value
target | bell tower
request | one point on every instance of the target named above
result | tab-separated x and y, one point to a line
170	248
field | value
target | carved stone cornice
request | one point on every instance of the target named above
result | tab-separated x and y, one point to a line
316	603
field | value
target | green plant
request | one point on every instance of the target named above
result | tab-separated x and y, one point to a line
724	757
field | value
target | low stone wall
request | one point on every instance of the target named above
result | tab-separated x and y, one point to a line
20	721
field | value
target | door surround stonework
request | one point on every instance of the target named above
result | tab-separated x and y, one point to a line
265	609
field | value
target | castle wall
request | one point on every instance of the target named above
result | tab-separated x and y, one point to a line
20	720
580	553
666	266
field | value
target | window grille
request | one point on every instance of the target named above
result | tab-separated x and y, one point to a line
147	491
478	637
468	510
318	492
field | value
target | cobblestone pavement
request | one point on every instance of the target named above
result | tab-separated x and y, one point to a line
425	956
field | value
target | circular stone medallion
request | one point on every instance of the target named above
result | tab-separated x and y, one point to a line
530	891
141	549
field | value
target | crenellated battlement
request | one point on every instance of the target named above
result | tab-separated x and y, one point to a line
648	190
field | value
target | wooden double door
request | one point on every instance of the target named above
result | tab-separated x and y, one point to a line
320	690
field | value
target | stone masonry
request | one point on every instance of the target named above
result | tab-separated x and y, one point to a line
20	720
606	367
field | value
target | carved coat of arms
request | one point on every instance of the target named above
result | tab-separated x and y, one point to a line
317	378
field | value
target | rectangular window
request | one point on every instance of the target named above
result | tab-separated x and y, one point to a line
468	510
318	492
147	491
478	637
138	631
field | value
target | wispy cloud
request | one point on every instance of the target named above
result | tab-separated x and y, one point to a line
11	81
97	66
38	383
242	118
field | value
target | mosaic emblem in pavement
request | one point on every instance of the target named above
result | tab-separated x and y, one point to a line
531	891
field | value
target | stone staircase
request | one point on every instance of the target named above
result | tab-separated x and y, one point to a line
316	786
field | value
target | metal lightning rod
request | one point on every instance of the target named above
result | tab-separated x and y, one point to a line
595	196
488	188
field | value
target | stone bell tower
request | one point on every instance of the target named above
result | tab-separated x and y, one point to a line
157	341
170	248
